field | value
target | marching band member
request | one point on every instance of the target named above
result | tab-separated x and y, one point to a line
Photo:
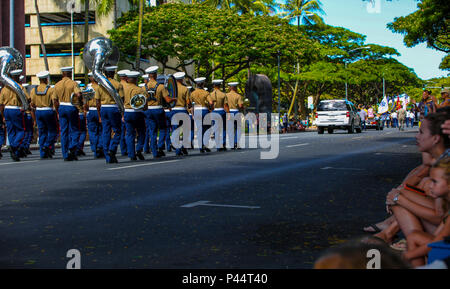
111	118
134	119
29	122
181	105
10	106
233	103
155	115
82	126
42	97
123	144
93	122
216	101
200	97
68	113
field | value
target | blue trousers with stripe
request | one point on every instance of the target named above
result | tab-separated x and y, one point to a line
95	131
15	125
111	122
69	123
135	125
46	123
156	121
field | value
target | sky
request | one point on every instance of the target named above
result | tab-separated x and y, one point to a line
356	16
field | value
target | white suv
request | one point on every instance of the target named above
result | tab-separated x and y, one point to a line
337	114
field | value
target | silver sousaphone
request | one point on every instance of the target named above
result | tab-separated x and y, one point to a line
97	53
12	59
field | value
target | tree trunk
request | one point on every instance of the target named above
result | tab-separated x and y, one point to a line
138	53
41	37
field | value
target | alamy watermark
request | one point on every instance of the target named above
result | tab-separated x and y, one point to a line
374	6
236	125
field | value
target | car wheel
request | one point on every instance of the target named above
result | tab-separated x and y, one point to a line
330	130
351	129
320	130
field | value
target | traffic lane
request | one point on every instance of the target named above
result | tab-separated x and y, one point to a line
87	228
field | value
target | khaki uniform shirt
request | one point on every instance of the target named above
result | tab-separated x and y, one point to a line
217	97
200	97
161	92
183	96
103	95
10	98
40	100
64	89
131	90
234	100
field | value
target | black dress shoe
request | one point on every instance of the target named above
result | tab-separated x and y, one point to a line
161	153
202	151
133	159
48	153
147	152
184	151
1	155
140	156
13	154
207	150
28	152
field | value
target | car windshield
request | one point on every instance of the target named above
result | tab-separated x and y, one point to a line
331	105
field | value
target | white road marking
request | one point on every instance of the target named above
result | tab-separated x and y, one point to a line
347	169
297	145
141	165
21	162
358	137
289	137
207	203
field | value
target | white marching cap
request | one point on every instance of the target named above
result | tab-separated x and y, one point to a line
152	69
188	87
78	82
110	68
16	72
217	81
90	74
145	76
205	88
141	84
233	83
133	74
43	74
179	75
21	78
200	79
25	85
67	68
122	72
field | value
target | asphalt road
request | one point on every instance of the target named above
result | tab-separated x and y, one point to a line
219	210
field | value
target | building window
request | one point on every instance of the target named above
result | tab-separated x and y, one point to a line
62	19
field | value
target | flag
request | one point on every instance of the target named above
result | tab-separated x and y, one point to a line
383	106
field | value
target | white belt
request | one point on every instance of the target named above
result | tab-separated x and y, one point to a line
66	103
167	110
200	107
155	107
179	108
44	108
132	110
92	108
109	105
219	109
12	107
234	110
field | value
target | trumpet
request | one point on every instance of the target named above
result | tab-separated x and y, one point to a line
86	95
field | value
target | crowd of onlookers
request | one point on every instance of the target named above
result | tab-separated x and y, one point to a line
417	209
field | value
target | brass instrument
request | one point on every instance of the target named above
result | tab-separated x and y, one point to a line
138	101
12	59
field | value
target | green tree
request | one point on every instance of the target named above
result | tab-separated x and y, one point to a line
429	24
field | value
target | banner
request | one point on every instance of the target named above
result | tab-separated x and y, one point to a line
383	106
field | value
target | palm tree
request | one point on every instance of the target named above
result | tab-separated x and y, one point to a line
306	12
241	6
44	52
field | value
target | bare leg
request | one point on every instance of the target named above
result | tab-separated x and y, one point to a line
415	240
382	225
388	234
407	221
